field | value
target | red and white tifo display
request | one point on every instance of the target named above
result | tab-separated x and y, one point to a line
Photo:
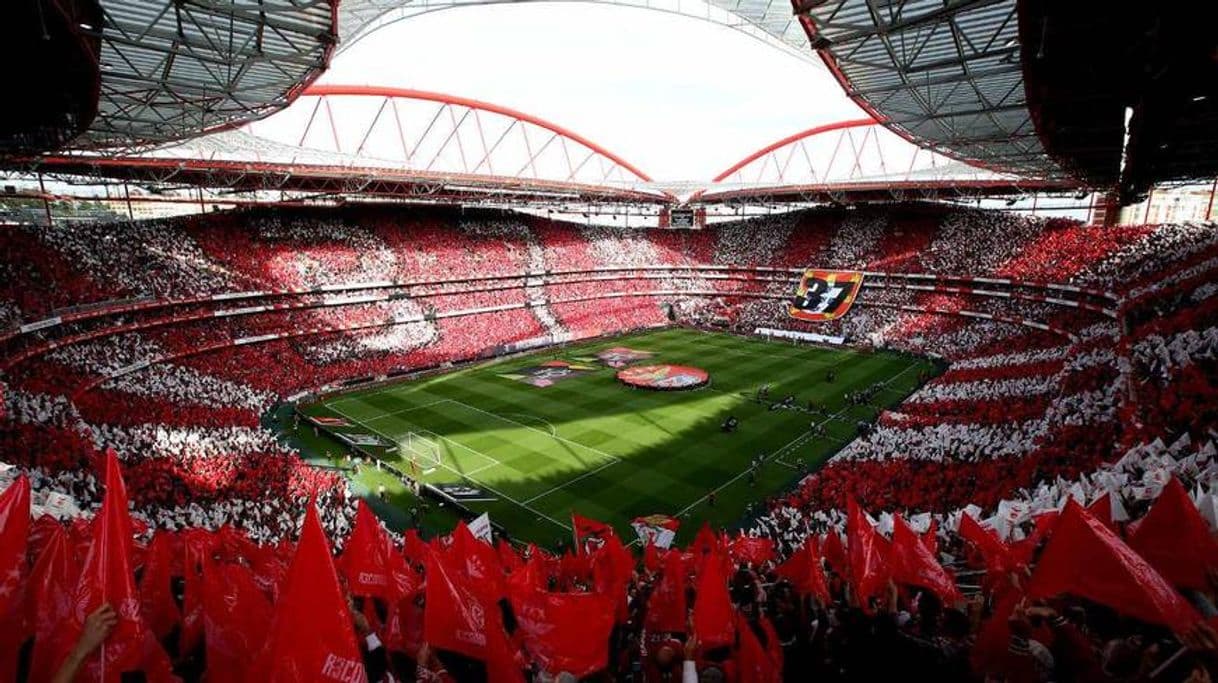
664	377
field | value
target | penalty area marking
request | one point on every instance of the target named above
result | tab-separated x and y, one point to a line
612	459
540	515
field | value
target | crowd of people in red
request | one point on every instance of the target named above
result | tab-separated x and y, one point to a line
1086	596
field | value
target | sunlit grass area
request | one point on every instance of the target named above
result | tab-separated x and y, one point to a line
589	444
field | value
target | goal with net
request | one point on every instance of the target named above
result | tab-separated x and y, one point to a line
422	452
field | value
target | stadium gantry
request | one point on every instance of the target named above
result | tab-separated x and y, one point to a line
452	149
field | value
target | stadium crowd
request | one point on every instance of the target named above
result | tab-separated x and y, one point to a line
1029	437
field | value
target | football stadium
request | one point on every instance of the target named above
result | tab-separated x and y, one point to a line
619	340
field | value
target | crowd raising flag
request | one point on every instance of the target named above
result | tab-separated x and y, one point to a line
1085	558
1175	540
310	636
505	612
803	569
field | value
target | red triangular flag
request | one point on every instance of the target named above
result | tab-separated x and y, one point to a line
705	543
586	529
757	663
868	572
156	600
666	610
478	563
913	564
995	553
236	615
1101	510
713	611
196	545
754	550
311	635
456	618
805	572
364	561
612	567
651	557
835	553
50	604
14	535
565	631
508	558
1175	540
1086	559
930	539
107	578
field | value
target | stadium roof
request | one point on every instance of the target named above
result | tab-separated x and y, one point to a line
944	73
171	69
771	21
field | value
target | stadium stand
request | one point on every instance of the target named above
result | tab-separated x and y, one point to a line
1078	409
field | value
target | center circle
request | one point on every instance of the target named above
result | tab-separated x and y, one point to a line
663	377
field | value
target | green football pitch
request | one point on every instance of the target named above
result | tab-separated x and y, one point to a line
588	444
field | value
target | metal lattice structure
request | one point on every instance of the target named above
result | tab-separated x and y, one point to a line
946	74
383	142
433	132
770	21
170	69
855	159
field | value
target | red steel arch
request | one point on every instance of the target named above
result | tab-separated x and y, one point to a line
325	90
790	139
857	160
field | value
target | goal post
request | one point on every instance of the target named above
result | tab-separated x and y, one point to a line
423	452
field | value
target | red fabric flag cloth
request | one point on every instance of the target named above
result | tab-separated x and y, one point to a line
156	599
835	553
989	653
478	563
666	609
713	611
805	572
586	529
107	577
705	543
196	546
406	581
236	614
1086	559
49	604
996	555
1022	551
14	536
508	558
756	663
365	561
612	567
755	551
404	627
651	557
310	637
1175	540
1101	510
456	618
930	539
565	631
913	564
868	570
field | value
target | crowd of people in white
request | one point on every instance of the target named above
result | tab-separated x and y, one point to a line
238	252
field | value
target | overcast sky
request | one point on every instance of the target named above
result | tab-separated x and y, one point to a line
680	98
